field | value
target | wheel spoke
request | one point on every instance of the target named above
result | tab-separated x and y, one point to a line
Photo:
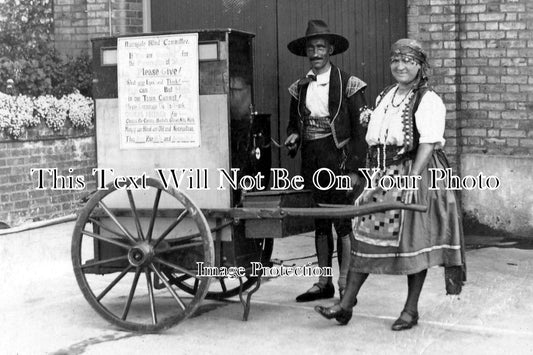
223	284
106	239
103	262
154	214
185	238
114	219
103	226
171	227
174	266
196	283
182	246
135	215
132	292
167	285
151	296
114	282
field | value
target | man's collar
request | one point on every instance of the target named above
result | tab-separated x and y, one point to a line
321	79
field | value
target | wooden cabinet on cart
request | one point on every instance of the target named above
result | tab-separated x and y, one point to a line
157	235
231	133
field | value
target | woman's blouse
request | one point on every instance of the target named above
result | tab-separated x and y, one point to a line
386	126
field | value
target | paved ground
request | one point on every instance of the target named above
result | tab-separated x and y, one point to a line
42	310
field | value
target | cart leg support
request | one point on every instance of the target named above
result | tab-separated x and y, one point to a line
247	303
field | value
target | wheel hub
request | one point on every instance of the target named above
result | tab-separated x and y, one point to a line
140	254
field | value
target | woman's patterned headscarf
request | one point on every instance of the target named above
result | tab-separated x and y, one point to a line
412	48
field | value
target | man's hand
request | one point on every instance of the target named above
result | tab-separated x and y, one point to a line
292	141
292	144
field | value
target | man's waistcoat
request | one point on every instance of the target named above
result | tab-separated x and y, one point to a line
341	87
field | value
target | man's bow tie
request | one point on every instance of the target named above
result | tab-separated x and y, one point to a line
307	79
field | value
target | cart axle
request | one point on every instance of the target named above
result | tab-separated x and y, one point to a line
141	254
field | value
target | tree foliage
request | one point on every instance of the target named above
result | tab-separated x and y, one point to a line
26	28
28	56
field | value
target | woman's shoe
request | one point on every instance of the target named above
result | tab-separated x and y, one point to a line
402	323
336	311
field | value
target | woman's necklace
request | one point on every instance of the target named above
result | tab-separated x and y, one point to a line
401	102
391	103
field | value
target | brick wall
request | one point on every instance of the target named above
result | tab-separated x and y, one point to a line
498	99
70	26
482	56
77	21
435	25
20	201
127	16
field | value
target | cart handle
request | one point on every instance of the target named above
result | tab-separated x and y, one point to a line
344	211
331	211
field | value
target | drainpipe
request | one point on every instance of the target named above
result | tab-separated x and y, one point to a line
110	17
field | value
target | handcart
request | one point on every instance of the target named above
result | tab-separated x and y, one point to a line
145	253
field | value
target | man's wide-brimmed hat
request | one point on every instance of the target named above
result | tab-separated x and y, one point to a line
318	28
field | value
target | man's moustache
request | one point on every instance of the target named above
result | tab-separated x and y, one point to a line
316	58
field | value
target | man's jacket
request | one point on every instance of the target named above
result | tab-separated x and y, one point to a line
346	99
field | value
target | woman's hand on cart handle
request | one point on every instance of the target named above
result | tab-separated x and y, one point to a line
355	180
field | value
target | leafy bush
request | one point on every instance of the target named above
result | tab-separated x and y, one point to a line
76	74
28	56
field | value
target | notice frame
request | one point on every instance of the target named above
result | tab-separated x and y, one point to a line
158	91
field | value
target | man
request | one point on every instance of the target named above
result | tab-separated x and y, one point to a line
324	120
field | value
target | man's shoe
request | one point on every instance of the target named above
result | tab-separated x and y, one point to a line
409	320
321	292
340	314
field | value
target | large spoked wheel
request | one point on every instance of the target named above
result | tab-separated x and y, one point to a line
222	287
122	255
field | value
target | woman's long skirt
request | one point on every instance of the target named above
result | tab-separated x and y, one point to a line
406	242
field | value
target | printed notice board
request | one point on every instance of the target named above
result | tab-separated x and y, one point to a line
158	91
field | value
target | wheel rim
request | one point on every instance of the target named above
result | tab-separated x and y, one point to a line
119	255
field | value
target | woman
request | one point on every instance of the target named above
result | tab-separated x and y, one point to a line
405	137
